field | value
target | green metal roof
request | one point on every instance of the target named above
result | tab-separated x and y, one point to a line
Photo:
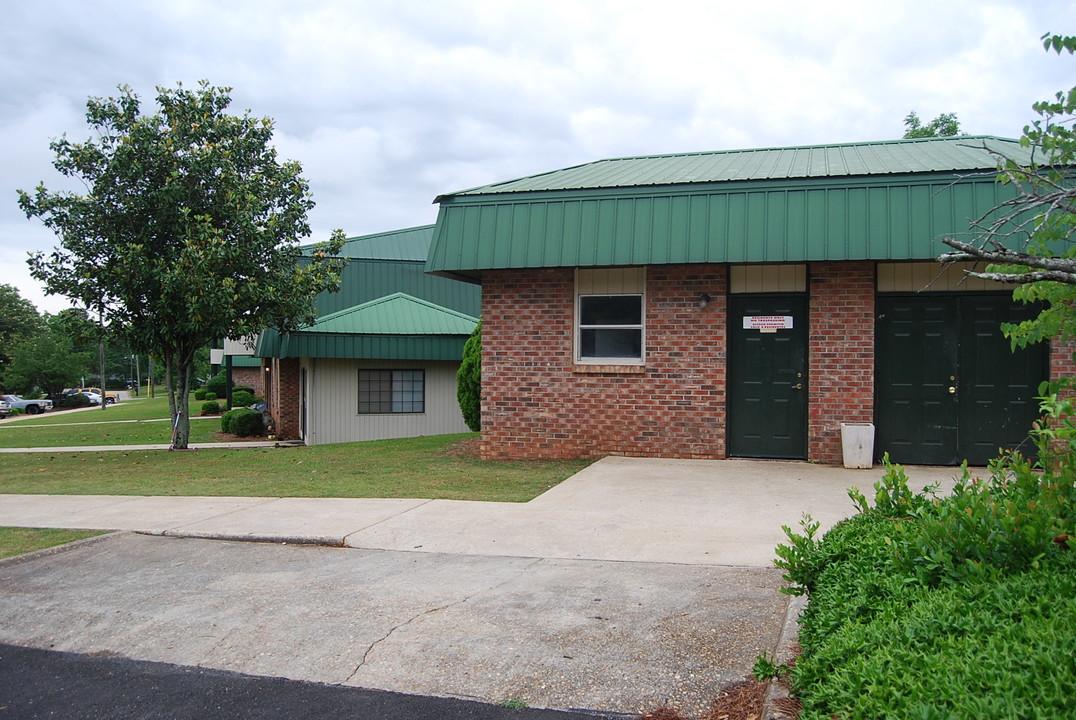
396	314
364	280
407	244
885	201
892	157
245	361
397	326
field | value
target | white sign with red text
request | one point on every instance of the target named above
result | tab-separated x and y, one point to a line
767	323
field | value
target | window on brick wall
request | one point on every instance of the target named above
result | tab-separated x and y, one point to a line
609	316
392	391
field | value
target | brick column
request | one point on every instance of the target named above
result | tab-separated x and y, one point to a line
840	354
283	397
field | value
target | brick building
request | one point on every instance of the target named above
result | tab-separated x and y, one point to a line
744	304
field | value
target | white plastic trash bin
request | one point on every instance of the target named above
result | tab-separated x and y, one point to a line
857	440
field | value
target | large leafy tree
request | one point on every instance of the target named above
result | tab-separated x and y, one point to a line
188	231
19	321
48	361
1028	240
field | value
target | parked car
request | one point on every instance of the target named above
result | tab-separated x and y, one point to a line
111	398
5	409
30	407
95	399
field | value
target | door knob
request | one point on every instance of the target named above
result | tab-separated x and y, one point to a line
952	390
798	386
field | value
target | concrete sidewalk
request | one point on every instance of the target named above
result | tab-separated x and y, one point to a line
696	512
634	584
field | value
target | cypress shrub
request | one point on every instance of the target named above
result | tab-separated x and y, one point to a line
469	380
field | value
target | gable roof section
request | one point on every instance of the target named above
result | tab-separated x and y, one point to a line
397	326
396	314
883	200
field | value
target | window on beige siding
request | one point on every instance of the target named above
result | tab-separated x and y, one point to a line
392	391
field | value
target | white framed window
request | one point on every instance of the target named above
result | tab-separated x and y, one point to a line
392	391
610	311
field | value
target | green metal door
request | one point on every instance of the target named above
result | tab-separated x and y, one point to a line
767	381
948	386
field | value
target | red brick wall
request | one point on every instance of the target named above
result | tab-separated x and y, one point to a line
283	397
250	376
538	403
840	354
1061	361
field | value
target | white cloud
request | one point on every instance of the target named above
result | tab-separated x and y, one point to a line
388	104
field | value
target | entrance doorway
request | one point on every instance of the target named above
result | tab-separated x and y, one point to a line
948	385
767	376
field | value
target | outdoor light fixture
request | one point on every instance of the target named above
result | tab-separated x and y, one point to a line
704	300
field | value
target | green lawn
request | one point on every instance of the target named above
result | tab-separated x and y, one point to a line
427	467
16	541
134	422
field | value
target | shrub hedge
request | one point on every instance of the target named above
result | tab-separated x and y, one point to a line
241	398
243	422
218	384
945	607
210	407
78	400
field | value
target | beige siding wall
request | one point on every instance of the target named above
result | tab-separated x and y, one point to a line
333	402
933	277
767	278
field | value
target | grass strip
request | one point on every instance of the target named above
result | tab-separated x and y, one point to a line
17	541
425	467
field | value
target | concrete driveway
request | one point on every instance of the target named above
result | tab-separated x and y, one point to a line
633	584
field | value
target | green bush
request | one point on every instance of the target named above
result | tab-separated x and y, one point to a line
945	607
242	388
210	395
218	384
469	380
211	407
241	398
243	422
77	400
199	394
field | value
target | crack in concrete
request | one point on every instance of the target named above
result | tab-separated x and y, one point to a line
431	611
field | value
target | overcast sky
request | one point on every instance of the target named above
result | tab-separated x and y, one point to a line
387	104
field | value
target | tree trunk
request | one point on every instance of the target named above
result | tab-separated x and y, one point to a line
178	375
101	363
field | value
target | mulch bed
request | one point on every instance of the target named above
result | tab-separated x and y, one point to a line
739	701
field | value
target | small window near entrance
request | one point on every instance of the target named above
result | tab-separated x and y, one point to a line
611	327
610	307
392	391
